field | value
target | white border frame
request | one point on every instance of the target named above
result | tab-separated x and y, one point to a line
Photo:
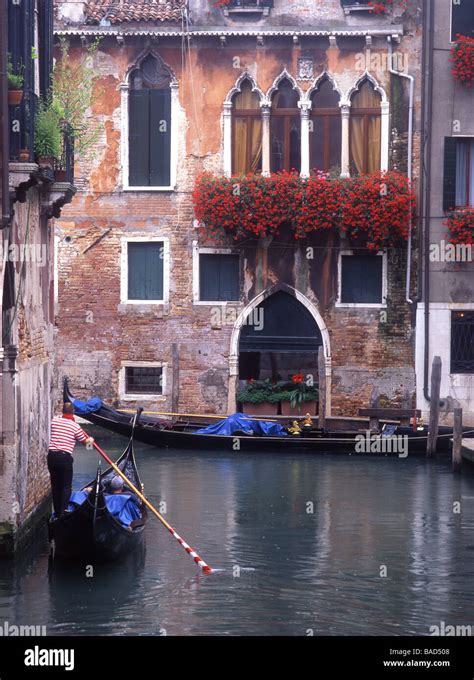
124	127
157	396
197	251
124	241
366	305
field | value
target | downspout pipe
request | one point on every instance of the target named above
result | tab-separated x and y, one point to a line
411	80
428	11
4	132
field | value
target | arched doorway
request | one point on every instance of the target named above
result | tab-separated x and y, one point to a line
279	333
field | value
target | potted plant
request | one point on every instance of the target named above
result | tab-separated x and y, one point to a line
15	84
74	93
257	398
47	134
299	398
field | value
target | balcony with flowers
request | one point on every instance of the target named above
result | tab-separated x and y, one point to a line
372	211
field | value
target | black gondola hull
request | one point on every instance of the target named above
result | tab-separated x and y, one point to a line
148	433
77	537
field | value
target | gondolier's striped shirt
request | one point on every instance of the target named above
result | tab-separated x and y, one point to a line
64	434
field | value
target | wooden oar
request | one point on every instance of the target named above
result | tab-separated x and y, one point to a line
192	415
206	569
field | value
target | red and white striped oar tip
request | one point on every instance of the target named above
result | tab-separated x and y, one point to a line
205	568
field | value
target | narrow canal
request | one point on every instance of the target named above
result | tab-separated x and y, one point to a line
338	545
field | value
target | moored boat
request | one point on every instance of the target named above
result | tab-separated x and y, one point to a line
184	435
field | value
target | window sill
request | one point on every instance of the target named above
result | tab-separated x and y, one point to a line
221	303
168	188
158	308
253	9
362	305
353	7
142	397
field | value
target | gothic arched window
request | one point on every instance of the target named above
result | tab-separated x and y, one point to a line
285	129
246	131
365	130
149	117
325	131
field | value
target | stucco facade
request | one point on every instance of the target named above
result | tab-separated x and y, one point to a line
369	350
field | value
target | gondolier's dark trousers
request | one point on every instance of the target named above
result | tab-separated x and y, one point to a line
60	469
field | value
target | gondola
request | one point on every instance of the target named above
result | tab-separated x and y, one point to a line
90	531
162	434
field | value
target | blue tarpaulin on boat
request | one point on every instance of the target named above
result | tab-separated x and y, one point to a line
243	423
124	507
81	408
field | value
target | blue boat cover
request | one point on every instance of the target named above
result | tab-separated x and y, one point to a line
243	423
124	507
81	408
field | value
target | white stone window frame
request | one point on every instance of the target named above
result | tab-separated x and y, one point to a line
124	127
128	396
124	241
304	104
362	305
197	251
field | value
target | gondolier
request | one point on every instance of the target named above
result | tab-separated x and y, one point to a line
64	434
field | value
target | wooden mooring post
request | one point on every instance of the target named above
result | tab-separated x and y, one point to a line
434	407
457	440
322	387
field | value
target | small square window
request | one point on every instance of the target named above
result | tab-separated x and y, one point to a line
361	279
219	279
462	342
143	380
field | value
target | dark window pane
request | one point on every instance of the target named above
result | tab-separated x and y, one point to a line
316	143
286	97
143	380
325	96
462	19
462	342
335	141
277	140
361	279
145	271
295	143
219	278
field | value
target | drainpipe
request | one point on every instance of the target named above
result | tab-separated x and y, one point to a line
411	79
6	211
428	11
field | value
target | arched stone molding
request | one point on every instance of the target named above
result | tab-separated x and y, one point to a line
241	320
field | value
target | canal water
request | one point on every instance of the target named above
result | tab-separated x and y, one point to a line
307	545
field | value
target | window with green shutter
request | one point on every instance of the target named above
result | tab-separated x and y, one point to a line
219	279
149	122
145	270
361	279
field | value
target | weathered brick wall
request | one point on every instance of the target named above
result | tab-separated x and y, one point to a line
24	478
371	360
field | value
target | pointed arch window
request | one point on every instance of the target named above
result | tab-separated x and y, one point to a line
325	130
246	131
149	124
285	129
365	130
